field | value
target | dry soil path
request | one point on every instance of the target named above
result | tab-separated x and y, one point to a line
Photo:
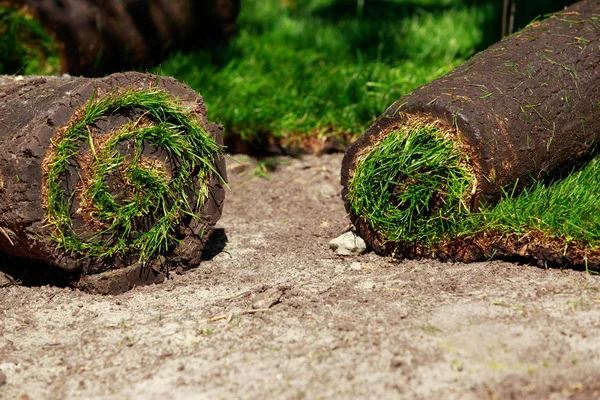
275	314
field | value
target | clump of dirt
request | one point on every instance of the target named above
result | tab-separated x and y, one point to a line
272	312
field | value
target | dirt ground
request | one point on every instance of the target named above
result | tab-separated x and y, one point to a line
276	314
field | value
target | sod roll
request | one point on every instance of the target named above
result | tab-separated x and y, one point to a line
102	173
96	37
522	111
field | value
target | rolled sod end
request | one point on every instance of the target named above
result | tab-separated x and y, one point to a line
493	159
108	173
415	183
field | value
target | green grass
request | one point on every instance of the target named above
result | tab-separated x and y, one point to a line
144	222
568	208
25	47
414	188
324	68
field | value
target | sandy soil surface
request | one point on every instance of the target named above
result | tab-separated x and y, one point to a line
274	313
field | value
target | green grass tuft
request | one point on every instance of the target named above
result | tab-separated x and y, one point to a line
567	208
143	223
25	47
414	186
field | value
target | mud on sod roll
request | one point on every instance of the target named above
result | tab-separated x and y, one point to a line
105	173
96	37
471	165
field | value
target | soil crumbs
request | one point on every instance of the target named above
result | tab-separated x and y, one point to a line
274	313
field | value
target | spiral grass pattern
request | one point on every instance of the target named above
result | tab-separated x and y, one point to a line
154	195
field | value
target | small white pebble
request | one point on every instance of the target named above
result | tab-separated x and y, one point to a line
348	244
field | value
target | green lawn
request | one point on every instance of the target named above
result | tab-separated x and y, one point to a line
327	67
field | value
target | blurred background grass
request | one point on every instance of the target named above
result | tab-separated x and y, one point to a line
314	68
328	68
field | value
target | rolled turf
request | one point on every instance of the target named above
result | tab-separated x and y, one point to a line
96	37
99	174
425	177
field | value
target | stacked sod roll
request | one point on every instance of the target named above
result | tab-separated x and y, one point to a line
96	37
103	173
447	170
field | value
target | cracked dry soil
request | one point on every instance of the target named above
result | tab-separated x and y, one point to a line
274	313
